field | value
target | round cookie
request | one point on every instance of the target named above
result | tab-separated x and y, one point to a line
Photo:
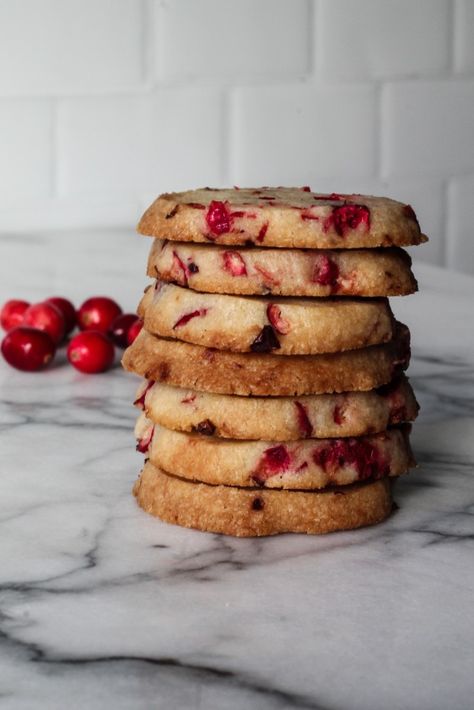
303	464
251	513
281	217
258	324
192	366
278	418
283	272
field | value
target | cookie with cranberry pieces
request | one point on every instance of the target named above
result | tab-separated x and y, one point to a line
278	418
302	464
193	366
285	326
281	217
254	512
283	272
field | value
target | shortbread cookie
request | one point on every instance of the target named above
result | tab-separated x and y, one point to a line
302	464
281	217
185	365
278	418
283	272
285	326
247	512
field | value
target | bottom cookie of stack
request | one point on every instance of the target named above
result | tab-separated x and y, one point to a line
253	512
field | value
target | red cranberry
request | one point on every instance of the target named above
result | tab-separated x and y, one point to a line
218	217
325	271
140	400
274	461
338	415
234	263
28	349
68	311
281	325
45	316
366	458
120	327
189	316
91	352
179	270
305	426
134	330
143	444
98	313
262	232
348	217
11	315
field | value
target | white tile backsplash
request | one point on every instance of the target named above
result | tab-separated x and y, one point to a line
106	103
428	128
299	134
230	40
376	39
25	150
64	46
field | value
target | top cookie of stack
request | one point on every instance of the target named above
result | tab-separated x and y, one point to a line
234	312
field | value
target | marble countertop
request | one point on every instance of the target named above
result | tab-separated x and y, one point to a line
105	607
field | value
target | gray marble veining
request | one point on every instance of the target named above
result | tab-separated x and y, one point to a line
102	606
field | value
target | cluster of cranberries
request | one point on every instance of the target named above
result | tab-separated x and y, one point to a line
34	331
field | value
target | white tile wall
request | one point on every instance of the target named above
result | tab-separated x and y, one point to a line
383	38
301	134
105	103
233	39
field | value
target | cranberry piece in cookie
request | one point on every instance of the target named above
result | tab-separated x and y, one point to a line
274	461
282	325
349	217
189	316
234	263
304	423
218	218
325	271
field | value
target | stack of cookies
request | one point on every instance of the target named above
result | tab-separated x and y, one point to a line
274	398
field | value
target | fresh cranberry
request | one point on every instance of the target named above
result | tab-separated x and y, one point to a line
120	327
305	426
28	349
266	341
281	325
91	352
274	461
348	217
47	317
134	330
68	311
98	313
189	316
218	217
234	263
11	315
325	271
